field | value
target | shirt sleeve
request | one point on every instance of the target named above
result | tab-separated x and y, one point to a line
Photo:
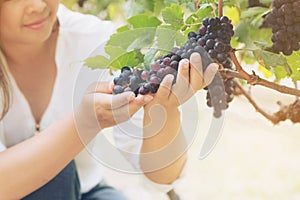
128	138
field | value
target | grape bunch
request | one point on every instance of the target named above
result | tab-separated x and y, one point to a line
214	36
146	81
212	42
285	23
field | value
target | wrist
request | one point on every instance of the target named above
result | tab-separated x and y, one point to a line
86	122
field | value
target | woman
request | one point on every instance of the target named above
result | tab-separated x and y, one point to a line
41	134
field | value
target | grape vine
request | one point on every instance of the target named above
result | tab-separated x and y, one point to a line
249	35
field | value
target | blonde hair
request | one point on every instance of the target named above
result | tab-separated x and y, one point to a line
5	92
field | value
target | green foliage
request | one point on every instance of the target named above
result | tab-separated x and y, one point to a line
154	27
173	16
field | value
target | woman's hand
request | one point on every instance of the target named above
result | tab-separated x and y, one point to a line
189	80
100	109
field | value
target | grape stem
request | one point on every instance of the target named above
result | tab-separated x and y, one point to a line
220	8
256	80
239	68
196	5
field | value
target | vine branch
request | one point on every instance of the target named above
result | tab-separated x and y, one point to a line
254	79
270	117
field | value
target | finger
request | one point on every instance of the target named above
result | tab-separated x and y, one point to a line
182	80
196	72
183	70
107	101
125	112
181	86
100	87
165	87
210	73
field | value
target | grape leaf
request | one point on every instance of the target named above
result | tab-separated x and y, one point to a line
251	12
158	6
147	4
280	73
149	57
233	14
136	38
241	32
169	2
193	18
126	59
167	38
205	11
114	51
132	8
173	15
97	62
123	28
267	73
143	20
272	60
294	62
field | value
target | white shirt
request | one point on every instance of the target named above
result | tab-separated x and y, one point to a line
80	36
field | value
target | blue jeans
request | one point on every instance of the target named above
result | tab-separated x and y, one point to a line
103	192
66	186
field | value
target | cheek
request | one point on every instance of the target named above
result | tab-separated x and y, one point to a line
10	18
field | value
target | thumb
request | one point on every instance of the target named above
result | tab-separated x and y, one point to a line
100	87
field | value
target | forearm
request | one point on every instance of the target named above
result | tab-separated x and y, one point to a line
32	163
163	151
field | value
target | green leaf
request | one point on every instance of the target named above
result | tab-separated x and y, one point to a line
123	28
280	73
97	62
133	39
158	6
232	13
147	4
126	59
294	62
114	51
242	34
267	73
169	2
205	11
271	60
149	57
143	20
166	38
173	16
193	18
132	8
251	12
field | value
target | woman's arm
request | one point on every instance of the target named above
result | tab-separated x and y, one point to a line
30	164
163	153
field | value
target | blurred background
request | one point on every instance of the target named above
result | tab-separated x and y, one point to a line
252	160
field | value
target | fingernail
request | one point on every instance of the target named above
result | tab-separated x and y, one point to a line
215	67
185	64
147	98
131	97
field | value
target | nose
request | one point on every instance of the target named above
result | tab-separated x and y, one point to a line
35	6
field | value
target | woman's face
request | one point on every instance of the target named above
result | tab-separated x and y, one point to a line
27	21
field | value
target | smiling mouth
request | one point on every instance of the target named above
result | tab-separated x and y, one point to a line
38	24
